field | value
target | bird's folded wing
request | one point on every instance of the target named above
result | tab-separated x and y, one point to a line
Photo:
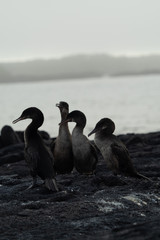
122	155
93	149
32	157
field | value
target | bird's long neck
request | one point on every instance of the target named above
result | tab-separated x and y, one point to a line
79	128
64	114
80	125
31	130
63	127
77	133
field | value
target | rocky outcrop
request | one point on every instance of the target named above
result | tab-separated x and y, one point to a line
102	206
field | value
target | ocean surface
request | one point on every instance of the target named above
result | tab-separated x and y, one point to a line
133	103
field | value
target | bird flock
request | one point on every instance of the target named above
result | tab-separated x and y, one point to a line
69	151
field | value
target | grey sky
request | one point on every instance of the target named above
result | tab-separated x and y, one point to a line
49	28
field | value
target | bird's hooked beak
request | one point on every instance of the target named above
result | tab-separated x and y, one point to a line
96	129
18	119
58	105
92	132
65	121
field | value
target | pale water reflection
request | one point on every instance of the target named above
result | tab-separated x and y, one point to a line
132	102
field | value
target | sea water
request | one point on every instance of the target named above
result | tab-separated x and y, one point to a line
133	102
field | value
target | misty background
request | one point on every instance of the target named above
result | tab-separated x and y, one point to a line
49	39
54	28
70	41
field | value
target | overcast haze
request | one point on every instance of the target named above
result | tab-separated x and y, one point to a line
50	28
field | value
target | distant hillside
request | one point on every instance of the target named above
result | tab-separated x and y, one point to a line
79	66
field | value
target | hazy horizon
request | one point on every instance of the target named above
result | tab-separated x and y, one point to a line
127	55
54	29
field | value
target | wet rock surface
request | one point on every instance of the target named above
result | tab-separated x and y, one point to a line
102	206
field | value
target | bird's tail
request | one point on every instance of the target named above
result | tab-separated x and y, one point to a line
51	184
142	176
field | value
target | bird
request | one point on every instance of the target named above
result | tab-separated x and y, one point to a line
84	153
9	136
113	150
62	146
37	155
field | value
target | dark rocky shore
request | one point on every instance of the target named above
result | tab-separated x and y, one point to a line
102	206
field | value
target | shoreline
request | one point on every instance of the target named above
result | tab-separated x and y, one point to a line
32	79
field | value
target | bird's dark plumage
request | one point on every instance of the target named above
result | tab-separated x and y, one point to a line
113	150
62	146
37	155
9	136
85	157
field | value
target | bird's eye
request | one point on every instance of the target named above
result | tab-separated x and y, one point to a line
104	127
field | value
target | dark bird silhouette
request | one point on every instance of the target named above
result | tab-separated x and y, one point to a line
62	146
85	157
37	155
113	150
9	136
